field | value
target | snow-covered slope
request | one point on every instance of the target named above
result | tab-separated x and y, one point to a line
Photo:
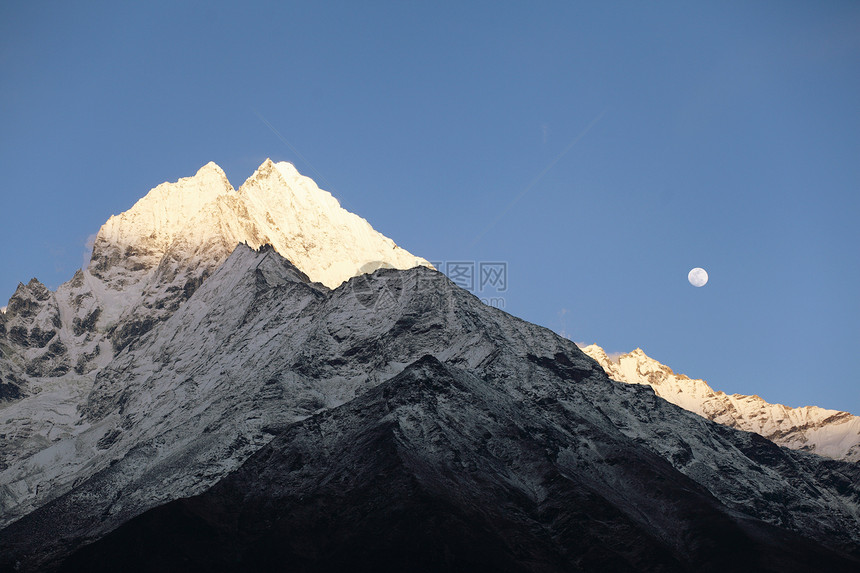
258	348
828	433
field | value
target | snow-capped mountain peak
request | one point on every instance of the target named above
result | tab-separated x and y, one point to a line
276	205
825	432
149	260
308	226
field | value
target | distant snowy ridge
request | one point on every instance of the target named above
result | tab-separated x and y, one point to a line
829	433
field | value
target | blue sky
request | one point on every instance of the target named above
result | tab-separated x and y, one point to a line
600	149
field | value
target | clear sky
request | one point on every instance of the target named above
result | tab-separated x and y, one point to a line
600	149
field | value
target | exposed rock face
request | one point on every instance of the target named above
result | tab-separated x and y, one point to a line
10	384
825	432
32	323
12	380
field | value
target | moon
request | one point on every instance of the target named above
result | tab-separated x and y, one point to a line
698	277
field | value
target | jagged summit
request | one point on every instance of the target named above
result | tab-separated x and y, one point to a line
828	433
308	226
276	205
212	166
157	218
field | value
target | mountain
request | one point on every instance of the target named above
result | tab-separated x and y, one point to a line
146	263
150	259
825	432
264	418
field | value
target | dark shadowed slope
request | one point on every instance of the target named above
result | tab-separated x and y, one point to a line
438	470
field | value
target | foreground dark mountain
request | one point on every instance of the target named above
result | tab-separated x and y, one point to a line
437	470
259	420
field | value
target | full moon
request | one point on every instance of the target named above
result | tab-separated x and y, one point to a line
698	277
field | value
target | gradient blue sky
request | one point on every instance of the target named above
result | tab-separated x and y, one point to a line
722	134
